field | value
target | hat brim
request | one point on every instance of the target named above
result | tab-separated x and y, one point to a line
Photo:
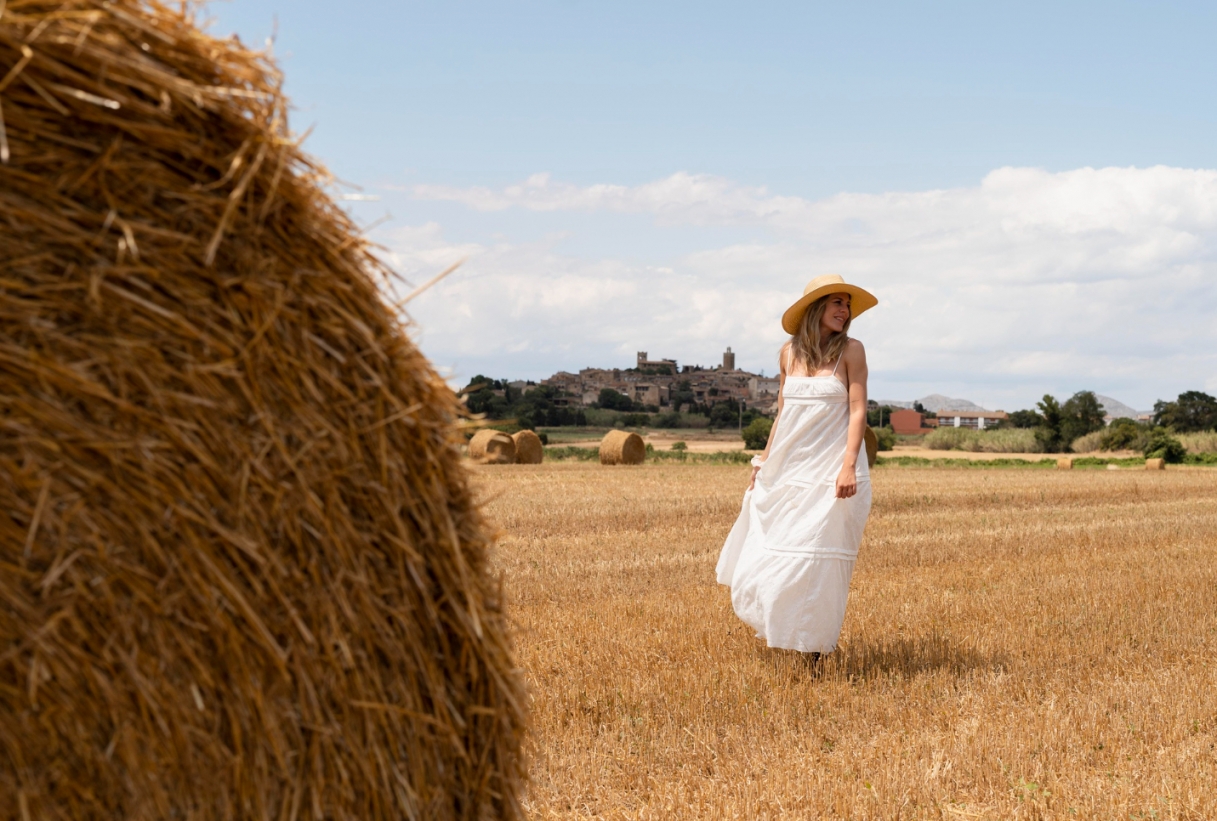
860	301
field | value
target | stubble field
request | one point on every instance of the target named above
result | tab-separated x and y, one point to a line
1018	644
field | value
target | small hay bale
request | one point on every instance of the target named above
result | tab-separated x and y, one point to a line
492	447
243	573
529	450
872	445
1155	464
621	447
1064	463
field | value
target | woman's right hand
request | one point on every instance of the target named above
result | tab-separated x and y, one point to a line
752	481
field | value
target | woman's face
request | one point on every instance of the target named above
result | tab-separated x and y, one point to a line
836	314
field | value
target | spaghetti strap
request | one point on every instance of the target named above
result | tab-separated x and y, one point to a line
834	367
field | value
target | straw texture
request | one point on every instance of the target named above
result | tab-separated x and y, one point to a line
492	447
241	573
871	440
529	450
1155	464
619	447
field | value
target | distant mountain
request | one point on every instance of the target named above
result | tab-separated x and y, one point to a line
934	402
1115	408
937	402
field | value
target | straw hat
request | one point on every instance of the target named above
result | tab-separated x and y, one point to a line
860	299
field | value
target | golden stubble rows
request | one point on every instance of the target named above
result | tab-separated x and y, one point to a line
1018	644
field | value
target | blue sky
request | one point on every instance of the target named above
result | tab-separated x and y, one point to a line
800	126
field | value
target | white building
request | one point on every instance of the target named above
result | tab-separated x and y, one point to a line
978	420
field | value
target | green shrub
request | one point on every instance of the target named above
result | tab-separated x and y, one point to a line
756	435
1006	440
886	437
1089	443
730	457
572	453
667	420
1162	445
1125	434
679	446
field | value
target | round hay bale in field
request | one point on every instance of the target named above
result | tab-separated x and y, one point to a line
1064	463
1155	464
621	447
492	447
242	572
872	445
529	450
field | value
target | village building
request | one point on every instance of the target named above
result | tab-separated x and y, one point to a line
762	387
910	422
977	420
646	362
654	381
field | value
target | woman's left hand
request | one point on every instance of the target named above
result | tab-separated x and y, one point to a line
847	482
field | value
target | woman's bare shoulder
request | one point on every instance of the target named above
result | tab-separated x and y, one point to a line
784	357
853	348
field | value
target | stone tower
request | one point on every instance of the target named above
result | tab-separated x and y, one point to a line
728	360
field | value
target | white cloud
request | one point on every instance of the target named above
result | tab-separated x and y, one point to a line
1029	282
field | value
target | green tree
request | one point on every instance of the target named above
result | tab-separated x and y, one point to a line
882	412
1193	411
683	395
725	414
1048	432
756	435
1161	445
1081	414
667	420
1025	419
1124	434
612	400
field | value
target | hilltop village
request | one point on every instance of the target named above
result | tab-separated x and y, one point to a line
662	384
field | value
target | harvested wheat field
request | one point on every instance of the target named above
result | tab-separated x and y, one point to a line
1018	645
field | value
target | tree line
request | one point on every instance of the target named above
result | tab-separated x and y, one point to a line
539	406
1058	425
542	405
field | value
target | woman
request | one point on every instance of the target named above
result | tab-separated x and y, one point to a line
789	557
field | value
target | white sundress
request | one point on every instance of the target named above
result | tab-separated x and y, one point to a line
789	557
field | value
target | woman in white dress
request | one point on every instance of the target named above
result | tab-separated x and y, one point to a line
790	555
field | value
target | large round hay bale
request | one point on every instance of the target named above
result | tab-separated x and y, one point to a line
871	440
243	575
492	447
529	450
621	447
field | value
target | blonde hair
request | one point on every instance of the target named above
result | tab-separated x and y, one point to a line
807	347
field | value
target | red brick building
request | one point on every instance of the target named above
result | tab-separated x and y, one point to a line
910	422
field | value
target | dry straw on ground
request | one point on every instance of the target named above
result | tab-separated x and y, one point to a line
529	450
241	574
620	447
492	447
1018	645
